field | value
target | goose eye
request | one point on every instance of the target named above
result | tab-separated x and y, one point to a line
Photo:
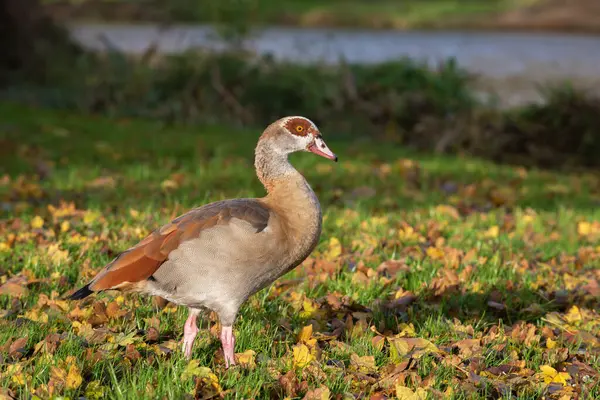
299	128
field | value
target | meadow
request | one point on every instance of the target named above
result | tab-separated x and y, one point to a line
435	277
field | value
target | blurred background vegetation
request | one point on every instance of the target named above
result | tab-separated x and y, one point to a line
404	102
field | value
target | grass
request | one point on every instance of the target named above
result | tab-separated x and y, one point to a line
349	13
492	292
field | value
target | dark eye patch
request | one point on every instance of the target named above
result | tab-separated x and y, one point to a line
293	123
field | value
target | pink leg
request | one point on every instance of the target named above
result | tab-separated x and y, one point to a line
228	342
190	329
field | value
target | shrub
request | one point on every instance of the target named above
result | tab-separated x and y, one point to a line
402	101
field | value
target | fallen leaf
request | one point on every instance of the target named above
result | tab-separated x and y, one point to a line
404	393
37	222
492	232
302	355
364	364
246	359
334	250
14	289
17	348
410	347
321	393
74	378
305	333
550	375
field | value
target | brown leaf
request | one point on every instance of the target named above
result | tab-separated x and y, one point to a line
113	310
446	282
468	347
18	348
321	393
391	268
13	289
152	335
99	316
524	333
402	301
131	353
6	394
289	384
364	364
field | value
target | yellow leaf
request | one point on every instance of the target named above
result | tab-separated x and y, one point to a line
435	253
584	228
492	232
308	309
334	250
302	356
305	333
550	343
65	226
37	316
90	216
74	378
57	255
528	218
207	384
364	364
404	393
246	359
550	375
401	348
16	374
37	222
574	315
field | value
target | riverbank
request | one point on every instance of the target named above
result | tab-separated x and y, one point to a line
582	16
510	66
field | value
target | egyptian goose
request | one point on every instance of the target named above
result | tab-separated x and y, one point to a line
216	256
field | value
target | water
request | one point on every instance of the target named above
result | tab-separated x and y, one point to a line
512	64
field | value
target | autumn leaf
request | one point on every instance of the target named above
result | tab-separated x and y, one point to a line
73	379
492	232
434	253
404	393
305	333
321	393
58	375
550	375
334	250
13	289
207	383
364	364
302	356
37	222
246	359
410	347
18	348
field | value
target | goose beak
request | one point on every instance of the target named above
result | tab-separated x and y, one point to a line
319	147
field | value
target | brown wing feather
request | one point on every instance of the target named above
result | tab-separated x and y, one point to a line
142	260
